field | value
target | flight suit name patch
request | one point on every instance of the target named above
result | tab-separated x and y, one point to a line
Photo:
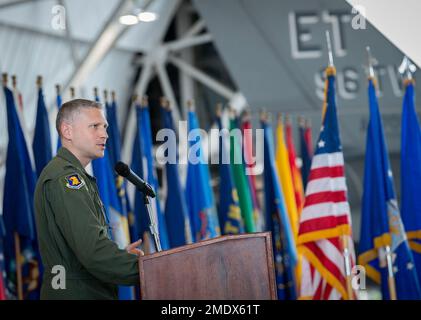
74	182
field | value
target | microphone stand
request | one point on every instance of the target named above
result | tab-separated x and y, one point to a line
152	226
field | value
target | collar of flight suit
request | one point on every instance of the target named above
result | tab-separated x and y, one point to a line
70	157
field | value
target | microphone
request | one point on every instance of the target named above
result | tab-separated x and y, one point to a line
123	170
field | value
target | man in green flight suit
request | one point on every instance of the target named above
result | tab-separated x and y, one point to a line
80	260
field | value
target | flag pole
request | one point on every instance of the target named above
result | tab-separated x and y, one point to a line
72	92
16	93
58	89
301	122
218	109
391	276
39	82
105	95
344	238
329	49
370	63
165	103
191	105
407	68
14	82
347	258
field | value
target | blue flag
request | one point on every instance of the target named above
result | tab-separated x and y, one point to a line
229	208
198	191
58	103
42	138
143	165
411	174
2	269
41	144
108	187
381	223
107	190
277	222
18	211
113	142
305	155
137	165
176	213
117	222
114	148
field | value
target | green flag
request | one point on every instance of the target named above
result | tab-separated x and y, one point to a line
240	179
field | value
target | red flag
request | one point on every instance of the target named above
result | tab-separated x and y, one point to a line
308	138
2	287
295	172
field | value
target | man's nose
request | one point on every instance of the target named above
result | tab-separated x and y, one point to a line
104	134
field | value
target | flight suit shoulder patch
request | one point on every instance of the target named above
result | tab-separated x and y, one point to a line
74	181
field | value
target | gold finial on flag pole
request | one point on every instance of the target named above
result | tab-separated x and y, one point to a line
95	92
39	81
162	102
113	96
165	103
232	112
4	76
135	98
72	92
301	121
218	109
246	116
190	105
58	89
14	81
307	123
105	95
264	115
280	118
144	101
287	119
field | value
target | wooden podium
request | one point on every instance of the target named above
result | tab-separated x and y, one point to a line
233	267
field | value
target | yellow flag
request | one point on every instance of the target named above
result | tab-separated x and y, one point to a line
284	171
285	175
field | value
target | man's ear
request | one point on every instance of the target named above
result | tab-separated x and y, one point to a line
66	130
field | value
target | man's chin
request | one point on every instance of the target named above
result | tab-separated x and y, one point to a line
99	154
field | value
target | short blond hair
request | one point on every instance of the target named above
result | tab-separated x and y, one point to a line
69	108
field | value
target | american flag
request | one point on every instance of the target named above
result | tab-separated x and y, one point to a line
325	222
